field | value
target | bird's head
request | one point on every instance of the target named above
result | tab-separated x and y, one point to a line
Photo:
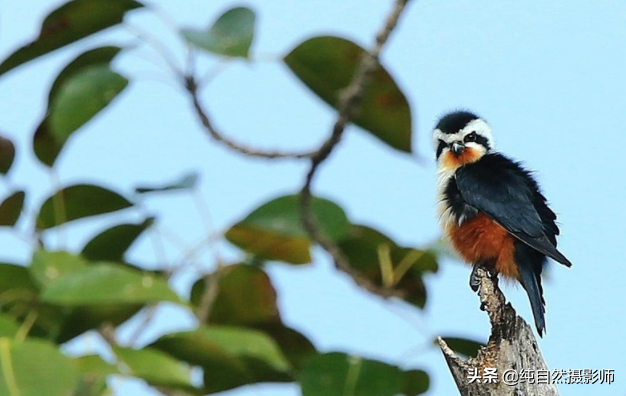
460	138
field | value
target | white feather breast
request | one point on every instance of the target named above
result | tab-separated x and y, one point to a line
446	217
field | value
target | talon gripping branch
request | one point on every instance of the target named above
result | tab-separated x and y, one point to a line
491	209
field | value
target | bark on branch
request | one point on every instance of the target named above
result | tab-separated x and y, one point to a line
512	347
349	102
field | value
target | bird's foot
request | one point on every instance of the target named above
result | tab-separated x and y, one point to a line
474	281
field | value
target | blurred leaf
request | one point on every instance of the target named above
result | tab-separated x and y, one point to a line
49	266
11	208
49	319
112	244
84	318
295	346
72	21
35	368
46	268
416	382
230	356
79	98
155	367
88	364
7	154
20	298
15	277
274	230
337	374
76	202
189	181
327	65
269	245
97	56
94	372
463	346
245	296
231	35
18	291
363	246
107	283
8	326
49	142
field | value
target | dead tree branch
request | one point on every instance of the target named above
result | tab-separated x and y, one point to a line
512	347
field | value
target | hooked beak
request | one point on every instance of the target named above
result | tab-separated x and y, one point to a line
457	148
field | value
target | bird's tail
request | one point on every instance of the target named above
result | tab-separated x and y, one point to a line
532	284
529	264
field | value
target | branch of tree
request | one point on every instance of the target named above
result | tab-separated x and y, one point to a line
191	86
211	290
512	347
349	102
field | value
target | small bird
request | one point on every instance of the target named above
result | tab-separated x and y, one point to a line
491	208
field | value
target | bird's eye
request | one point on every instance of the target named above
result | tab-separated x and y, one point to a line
471	137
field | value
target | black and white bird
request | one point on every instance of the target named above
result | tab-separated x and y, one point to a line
491	208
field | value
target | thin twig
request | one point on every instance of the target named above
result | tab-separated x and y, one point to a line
349	102
192	87
145	323
211	291
107	332
157	45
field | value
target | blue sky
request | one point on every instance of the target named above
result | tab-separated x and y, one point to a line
549	77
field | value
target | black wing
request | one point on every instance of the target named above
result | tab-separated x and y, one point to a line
506	193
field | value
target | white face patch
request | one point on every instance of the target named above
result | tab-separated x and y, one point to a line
481	128
478	125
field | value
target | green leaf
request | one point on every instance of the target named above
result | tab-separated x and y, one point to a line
11	208
8	326
155	367
462	346
84	318
416	382
327	65
47	267
35	368
107	283
48	142
20	298
230	356
71	22
76	202
7	154
94	372
231	35
189	181
337	374
294	345
245	296
406	266
274	230
79	98
102	56
93	364
18	292
13	277
112	244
